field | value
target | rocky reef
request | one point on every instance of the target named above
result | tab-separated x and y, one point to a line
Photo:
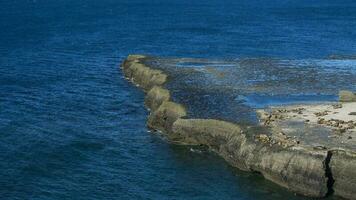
326	126
347	96
306	169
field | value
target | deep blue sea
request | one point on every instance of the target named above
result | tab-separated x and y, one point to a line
71	127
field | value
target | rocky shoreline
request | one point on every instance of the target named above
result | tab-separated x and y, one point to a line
303	169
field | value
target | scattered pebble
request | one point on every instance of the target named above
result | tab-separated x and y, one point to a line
263	138
298	110
341	128
337	106
321	120
318	114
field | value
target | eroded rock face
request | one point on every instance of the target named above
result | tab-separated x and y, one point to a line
336	137
343	168
314	172
347	96
208	132
155	97
225	138
299	170
163	118
142	75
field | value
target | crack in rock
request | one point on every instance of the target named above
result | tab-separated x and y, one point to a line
328	174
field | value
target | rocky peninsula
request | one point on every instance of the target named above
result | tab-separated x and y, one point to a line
309	149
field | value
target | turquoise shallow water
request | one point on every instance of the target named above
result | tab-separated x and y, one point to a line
72	128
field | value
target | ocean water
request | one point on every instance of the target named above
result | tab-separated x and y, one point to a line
71	127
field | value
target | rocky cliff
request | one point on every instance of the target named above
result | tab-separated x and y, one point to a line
314	172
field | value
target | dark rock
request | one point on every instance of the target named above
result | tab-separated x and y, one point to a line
337	106
319	114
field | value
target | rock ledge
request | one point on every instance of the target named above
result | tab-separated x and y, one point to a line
303	169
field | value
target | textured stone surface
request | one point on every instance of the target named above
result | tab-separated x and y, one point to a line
343	168
315	172
155	97
163	118
299	170
142	75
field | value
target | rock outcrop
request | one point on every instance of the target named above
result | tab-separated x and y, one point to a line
155	97
142	75
347	96
163	118
343	169
299	170
307	171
